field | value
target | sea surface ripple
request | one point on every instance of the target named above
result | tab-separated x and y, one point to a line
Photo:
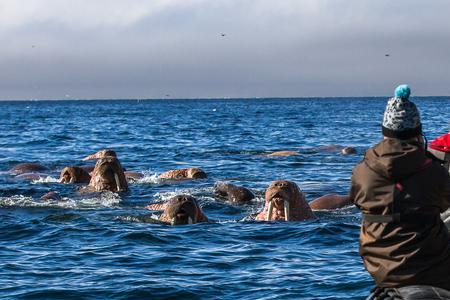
108	246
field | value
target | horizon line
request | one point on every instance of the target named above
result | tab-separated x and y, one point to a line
206	98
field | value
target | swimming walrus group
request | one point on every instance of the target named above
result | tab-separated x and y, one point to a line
284	200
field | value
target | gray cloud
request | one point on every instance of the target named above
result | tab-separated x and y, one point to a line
147	49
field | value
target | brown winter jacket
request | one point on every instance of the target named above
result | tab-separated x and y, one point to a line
415	249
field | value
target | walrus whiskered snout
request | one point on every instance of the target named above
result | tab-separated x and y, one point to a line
66	177
279	203
108	175
196	173
182	210
233	193
279	195
284	201
182	217
74	175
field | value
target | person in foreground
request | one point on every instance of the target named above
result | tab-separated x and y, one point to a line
401	193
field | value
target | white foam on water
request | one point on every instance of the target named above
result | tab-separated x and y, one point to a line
165	196
18	200
149	178
162	197
102	200
47	179
259	199
226	221
199	193
138	219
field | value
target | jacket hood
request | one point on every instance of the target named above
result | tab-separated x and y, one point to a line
395	159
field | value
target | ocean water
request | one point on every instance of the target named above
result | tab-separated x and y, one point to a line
106	246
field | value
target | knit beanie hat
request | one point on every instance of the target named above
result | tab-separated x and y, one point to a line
401	117
402	91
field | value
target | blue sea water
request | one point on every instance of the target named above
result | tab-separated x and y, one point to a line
107	247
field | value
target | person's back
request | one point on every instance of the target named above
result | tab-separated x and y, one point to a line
401	194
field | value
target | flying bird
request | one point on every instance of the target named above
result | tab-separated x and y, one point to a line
223	34
387	55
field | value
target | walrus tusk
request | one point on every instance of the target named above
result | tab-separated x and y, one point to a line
190	222
92	156
269	211
119	188
72	180
286	210
173	221
62	180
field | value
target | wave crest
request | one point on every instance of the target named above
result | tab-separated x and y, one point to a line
102	200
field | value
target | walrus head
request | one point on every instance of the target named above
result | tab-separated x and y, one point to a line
51	196
221	189
181	210
196	173
108	175
74	175
285	201
348	150
100	154
233	193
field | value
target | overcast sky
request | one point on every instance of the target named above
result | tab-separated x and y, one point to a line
85	49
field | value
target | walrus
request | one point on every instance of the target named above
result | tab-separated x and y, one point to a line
180	210
130	175
233	193
51	196
344	150
188	173
101	154
74	175
108	175
285	201
157	206
28	168
348	150
283	153
327	148
133	176
330	201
